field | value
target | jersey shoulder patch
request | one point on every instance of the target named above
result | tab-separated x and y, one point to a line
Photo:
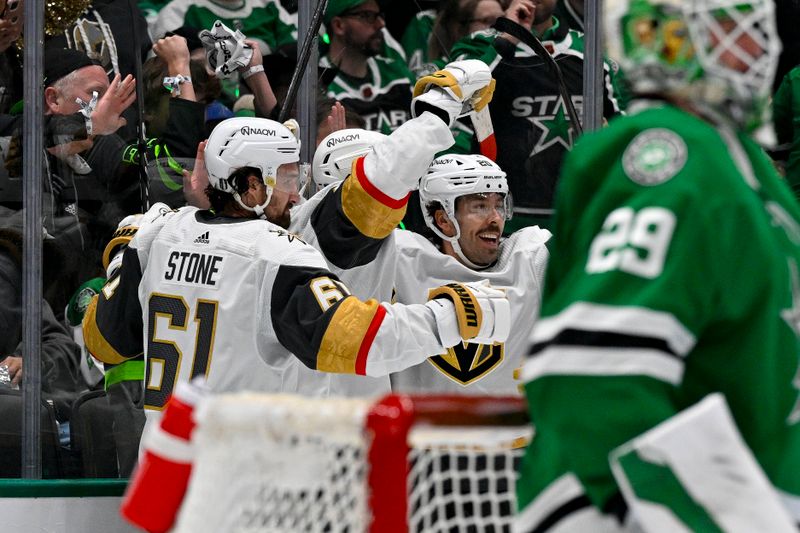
654	156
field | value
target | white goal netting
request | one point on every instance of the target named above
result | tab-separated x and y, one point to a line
278	463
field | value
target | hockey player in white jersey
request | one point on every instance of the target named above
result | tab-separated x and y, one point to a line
340	219
409	265
465	202
223	294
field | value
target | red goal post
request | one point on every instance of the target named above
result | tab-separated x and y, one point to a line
403	463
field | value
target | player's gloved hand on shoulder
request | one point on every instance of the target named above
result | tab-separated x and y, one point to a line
476	312
459	88
112	255
126	229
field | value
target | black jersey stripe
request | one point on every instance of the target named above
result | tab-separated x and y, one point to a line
340	241
119	312
603	339
562	511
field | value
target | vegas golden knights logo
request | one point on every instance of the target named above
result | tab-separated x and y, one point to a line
468	362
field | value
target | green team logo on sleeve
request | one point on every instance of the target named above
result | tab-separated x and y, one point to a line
654	156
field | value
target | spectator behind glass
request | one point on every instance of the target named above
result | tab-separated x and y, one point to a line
531	126
60	356
457	19
264	21
87	181
175	118
375	86
104	31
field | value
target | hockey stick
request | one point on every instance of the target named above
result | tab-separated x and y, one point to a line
302	61
520	32
141	139
484	131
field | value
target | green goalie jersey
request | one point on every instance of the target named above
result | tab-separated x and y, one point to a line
673	274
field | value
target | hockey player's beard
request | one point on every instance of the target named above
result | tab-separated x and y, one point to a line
278	210
478	250
283	220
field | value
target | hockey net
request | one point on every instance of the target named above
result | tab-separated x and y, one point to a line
286	463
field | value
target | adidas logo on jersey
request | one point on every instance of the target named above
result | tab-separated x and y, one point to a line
202	239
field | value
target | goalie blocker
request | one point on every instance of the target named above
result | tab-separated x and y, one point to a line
694	472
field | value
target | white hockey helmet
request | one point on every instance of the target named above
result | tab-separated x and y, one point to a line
718	53
334	156
453	175
249	142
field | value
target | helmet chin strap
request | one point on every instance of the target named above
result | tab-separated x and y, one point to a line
259	210
454	242
457	249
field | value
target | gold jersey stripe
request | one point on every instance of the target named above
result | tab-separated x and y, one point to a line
97	345
348	336
368	213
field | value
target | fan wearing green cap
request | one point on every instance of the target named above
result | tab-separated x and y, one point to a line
372	78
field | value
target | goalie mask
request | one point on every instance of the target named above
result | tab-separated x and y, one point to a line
334	156
452	176
251	142
722	54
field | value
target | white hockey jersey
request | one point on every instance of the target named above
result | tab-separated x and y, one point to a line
240	301
341	223
471	368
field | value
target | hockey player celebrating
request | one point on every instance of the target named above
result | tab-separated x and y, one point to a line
464	199
673	275
465	202
229	295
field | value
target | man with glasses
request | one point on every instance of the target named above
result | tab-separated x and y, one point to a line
372	76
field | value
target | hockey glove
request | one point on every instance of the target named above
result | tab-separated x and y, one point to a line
482	313
126	229
459	88
112	255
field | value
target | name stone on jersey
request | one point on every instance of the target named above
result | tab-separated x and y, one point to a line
193	268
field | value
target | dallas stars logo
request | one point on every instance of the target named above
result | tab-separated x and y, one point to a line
555	129
792	318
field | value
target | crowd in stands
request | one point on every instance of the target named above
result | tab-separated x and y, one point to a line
102	165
